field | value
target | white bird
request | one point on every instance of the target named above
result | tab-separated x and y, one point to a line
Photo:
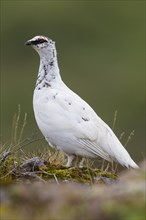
67	122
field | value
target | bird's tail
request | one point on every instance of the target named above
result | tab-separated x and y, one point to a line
132	164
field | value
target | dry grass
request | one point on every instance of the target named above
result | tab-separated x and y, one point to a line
13	156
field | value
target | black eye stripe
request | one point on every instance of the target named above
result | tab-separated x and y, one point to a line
39	41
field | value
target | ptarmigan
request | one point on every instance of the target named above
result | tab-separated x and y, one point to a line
67	122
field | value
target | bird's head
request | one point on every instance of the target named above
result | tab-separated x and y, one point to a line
43	45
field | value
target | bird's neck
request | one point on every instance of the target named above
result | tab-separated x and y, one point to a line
48	72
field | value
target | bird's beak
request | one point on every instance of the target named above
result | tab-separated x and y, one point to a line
28	43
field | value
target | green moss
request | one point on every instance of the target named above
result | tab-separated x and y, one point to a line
82	175
12	170
6	171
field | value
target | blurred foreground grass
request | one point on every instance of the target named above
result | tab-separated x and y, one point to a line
123	199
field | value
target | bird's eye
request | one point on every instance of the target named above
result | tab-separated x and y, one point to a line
39	41
42	40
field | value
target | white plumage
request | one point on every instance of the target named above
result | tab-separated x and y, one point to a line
67	122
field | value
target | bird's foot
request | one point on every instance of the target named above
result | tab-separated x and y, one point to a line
74	162
81	163
70	159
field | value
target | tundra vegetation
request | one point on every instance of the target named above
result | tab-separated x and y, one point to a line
37	185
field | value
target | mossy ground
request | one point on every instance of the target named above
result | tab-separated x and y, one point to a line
60	199
13	170
80	175
39	187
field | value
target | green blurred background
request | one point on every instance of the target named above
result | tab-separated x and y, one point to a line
100	48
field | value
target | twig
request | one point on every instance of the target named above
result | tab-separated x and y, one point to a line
13	128
27	144
32	174
5	155
129	138
114	167
23	126
114	121
90	172
107	167
16	124
102	166
121	135
55	177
